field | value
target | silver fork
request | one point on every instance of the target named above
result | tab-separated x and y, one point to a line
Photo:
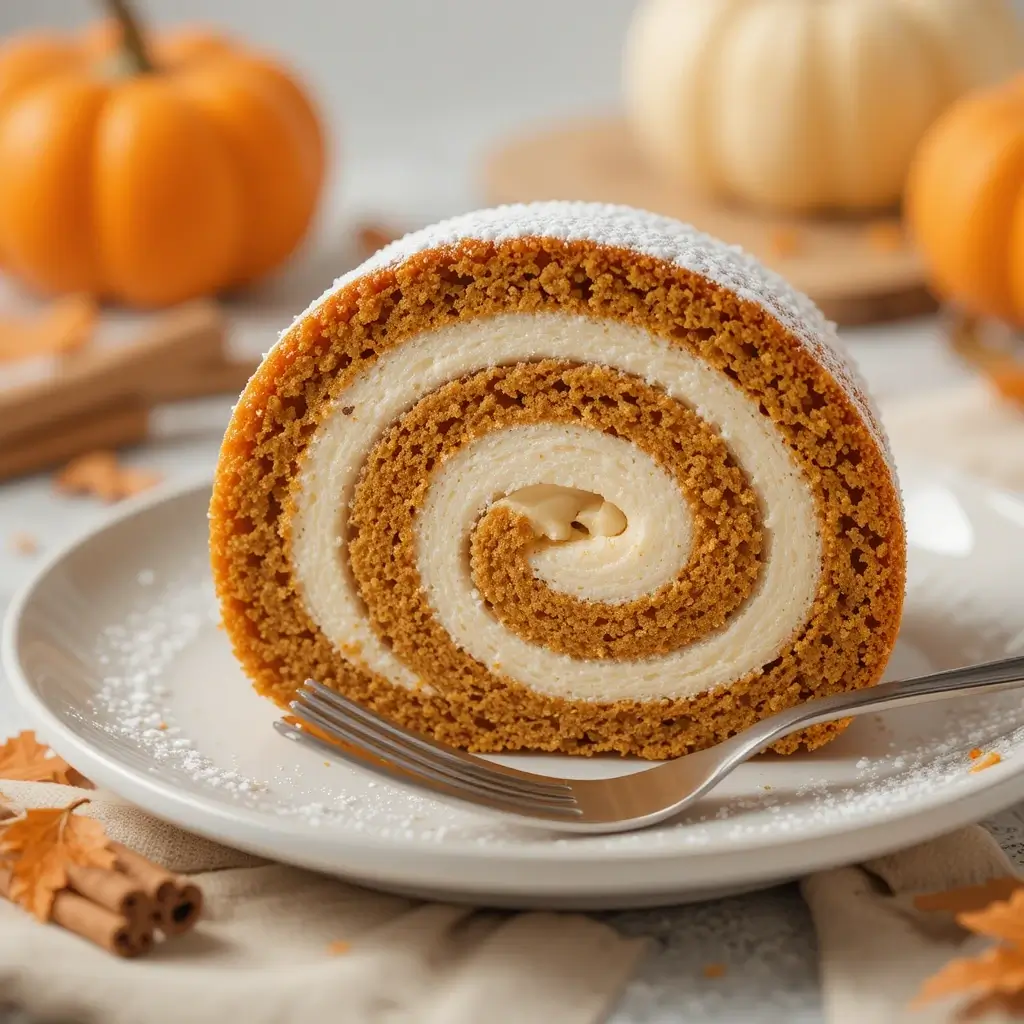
598	805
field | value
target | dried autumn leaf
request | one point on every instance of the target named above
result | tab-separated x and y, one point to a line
969	898
65	325
100	475
1007	1005
25	759
999	969
41	845
372	237
1002	919
23	543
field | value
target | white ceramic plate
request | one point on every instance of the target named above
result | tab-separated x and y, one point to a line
114	652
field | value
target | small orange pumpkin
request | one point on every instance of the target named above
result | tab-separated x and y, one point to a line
965	202
151	174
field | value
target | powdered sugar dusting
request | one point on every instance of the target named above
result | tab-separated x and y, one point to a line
132	698
653	235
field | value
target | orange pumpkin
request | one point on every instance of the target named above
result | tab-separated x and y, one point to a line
150	174
965	202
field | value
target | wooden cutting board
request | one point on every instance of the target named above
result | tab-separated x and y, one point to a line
857	271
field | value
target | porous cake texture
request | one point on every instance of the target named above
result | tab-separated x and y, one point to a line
562	477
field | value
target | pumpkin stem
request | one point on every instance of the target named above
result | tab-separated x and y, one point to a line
132	40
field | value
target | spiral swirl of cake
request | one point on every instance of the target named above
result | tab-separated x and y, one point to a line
561	477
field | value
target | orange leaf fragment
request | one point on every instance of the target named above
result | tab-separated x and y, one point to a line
372	237
24	759
999	969
1007	1004
338	947
784	242
969	898
1002	919
990	759
23	543
41	845
100	475
65	325
975	753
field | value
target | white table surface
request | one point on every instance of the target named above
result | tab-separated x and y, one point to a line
765	939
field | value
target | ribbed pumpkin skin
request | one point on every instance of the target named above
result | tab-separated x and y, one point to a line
149	189
804	105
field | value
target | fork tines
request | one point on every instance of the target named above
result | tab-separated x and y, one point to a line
341	728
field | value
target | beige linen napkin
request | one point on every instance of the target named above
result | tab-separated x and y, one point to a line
260	954
874	947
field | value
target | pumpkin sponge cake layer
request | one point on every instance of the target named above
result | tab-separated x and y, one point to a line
560	477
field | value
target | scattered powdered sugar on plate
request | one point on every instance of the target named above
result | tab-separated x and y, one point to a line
132	698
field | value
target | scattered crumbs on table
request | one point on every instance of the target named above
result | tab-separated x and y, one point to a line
100	475
975	754
338	947
784	241
714	970
990	759
884	236
23	543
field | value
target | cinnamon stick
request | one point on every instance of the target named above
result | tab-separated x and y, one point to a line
109	931
181	914
113	426
119	893
178	902
172	346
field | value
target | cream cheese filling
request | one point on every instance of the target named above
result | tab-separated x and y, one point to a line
582	458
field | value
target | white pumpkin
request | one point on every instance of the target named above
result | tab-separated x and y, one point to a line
805	104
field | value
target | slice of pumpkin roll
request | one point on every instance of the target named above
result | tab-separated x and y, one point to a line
561	477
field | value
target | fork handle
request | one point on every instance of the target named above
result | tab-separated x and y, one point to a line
992	676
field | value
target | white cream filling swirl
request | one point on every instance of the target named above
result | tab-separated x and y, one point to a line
650	550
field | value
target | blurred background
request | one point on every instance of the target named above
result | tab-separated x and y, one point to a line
803	130
413	91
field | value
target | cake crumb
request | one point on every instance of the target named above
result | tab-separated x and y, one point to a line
785	241
99	474
884	236
714	970
23	543
975	754
338	947
990	759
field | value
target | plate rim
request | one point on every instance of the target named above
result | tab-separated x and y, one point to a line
995	789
